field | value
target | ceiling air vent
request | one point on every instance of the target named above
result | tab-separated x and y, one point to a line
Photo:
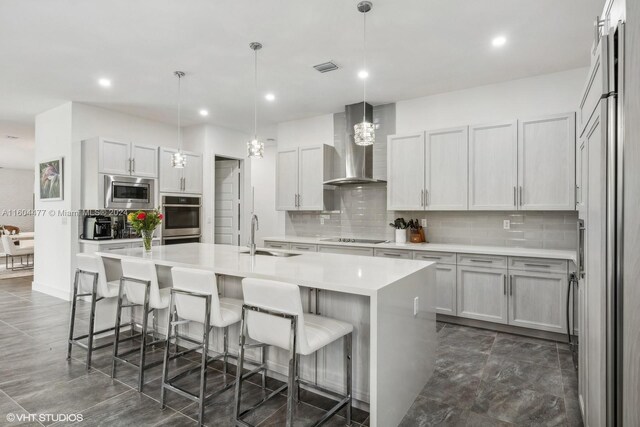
326	67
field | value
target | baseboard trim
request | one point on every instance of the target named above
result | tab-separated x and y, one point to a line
517	330
51	291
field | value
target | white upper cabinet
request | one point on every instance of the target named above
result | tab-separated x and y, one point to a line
192	173
180	180
125	158
300	173
406	169
310	188
493	160
446	169
546	163
144	160
114	157
287	180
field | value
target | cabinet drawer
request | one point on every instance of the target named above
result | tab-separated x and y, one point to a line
482	260
392	253
276	245
538	264
346	250
116	247
304	247
439	257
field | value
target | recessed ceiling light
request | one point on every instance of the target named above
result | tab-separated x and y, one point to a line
499	41
363	74
204	113
104	82
270	97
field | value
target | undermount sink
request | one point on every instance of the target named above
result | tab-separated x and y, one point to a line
272	253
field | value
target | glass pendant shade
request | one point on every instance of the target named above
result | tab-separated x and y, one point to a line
255	148
364	133
178	160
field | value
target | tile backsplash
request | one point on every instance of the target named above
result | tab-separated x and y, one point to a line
363	213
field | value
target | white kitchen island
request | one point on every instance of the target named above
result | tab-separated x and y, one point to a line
390	302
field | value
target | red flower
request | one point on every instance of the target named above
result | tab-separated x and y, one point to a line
141	216
160	216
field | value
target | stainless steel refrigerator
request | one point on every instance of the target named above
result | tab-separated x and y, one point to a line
599	183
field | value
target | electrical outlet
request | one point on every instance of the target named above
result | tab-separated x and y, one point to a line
416	305
423	222
506	224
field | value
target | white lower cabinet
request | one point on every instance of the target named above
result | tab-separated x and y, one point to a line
446	289
482	293
351	250
277	245
538	300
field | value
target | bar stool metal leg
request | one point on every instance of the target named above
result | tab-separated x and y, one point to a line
292	371
72	322
348	340
236	409
116	341
171	327
203	364
92	318
263	360
225	349
143	345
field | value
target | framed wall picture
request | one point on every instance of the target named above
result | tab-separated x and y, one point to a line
51	180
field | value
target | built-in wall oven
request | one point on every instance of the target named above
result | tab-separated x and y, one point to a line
182	216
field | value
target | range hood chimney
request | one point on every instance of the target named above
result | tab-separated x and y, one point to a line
358	159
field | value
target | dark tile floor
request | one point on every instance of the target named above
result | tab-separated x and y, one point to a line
482	378
485	378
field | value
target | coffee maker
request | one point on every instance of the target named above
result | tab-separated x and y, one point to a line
97	227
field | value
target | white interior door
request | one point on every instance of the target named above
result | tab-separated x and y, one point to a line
493	166
227	212
546	163
446	169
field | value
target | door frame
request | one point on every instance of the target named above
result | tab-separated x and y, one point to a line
212	183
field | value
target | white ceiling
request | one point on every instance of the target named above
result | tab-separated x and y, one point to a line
54	51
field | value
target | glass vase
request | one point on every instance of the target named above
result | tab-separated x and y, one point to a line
147	239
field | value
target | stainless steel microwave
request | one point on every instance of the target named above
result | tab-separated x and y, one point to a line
124	192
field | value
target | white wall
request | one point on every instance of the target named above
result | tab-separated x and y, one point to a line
59	132
16	192
54	234
310	131
534	96
215	141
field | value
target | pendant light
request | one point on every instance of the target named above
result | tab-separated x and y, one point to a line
255	147
364	132
178	160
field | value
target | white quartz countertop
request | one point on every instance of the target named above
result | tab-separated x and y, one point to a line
439	247
353	274
114	241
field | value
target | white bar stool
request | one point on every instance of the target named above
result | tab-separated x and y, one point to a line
195	294
90	281
140	283
272	314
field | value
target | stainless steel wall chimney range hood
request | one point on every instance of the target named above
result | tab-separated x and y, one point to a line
355	162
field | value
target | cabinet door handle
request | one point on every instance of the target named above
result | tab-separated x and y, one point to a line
537	265
511	285
391	254
429	257
504	284
129	165
133	168
421	197
480	260
520	195
515	201
426	198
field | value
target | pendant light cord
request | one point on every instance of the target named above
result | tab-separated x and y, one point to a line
180	113
255	96
364	60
